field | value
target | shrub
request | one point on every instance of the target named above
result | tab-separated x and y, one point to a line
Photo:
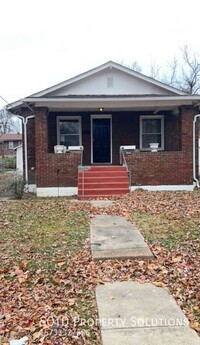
17	188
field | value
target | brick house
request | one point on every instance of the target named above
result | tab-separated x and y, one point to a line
8	143
105	120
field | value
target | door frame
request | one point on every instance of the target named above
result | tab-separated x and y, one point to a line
107	116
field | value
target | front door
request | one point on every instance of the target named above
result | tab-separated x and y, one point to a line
101	140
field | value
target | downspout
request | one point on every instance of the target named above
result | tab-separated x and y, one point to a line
25	121
194	150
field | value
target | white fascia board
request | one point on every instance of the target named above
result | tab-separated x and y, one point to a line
14	105
126	102
110	98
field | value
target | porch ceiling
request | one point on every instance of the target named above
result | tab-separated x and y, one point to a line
114	103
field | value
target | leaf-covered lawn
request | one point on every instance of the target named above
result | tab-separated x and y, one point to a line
47	277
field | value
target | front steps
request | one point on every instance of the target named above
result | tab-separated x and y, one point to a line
102	181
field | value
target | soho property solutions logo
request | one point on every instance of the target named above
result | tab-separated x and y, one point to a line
82	326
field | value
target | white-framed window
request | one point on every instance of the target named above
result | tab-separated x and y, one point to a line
151	131
69	131
10	145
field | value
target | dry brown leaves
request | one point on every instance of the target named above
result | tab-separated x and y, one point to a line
47	309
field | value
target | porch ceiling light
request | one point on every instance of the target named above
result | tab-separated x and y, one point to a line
101	109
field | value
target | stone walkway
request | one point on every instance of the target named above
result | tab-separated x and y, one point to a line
131	313
114	237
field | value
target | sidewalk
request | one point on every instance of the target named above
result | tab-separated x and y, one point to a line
113	237
131	313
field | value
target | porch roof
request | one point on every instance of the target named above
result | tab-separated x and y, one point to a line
114	102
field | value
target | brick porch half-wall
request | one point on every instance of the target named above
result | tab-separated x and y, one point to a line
165	167
53	170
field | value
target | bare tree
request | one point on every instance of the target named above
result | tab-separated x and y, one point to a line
184	72
155	70
136	66
7	123
133	65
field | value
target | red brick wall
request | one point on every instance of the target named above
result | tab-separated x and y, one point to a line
168	167
173	166
52	170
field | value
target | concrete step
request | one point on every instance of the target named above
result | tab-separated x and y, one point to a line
102	181
103	191
103	185
107	168
101	173
107	179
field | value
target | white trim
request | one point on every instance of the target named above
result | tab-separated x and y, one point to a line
101	117
17	147
65	117
148	117
32	188
110	103
189	99
56	191
91	104
183	187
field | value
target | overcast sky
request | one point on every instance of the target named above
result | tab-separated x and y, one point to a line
44	42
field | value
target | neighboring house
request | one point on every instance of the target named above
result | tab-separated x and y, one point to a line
101	110
8	142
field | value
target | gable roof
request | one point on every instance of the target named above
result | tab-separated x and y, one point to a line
90	90
11	137
108	65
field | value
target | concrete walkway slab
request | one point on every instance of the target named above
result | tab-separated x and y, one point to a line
102	203
133	313
153	336
115	237
4	198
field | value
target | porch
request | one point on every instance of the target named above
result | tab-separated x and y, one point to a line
101	134
170	166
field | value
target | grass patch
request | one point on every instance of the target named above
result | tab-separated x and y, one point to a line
41	258
181	234
41	232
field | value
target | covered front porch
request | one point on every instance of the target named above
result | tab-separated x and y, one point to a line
102	134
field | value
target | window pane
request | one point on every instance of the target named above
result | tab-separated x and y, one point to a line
69	132
10	145
69	127
150	138
69	140
151	125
